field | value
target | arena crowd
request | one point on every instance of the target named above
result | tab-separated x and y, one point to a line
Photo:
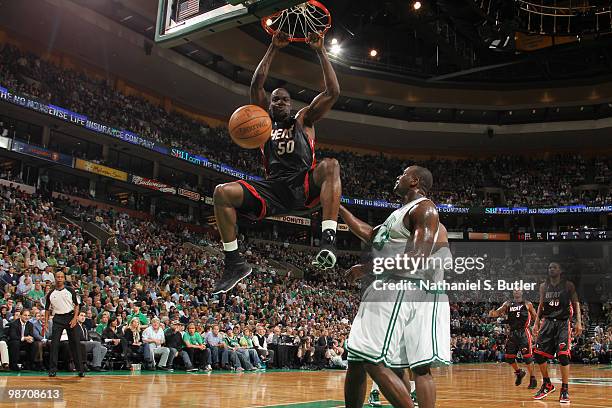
145	296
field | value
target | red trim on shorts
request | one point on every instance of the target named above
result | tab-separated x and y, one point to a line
529	338
311	143
528	320
509	355
315	201
249	187
569	328
308	203
536	351
529	342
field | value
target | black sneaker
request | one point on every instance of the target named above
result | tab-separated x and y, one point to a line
544	391
564	397
520	374
533	383
234	272
326	258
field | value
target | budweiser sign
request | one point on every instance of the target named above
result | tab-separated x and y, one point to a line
192	195
153	185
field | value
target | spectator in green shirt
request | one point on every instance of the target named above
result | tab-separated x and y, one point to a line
103	323
246	343
51	261
238	355
119	268
194	345
36	293
75	270
144	320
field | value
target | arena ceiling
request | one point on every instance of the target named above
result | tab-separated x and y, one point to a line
113	46
569	82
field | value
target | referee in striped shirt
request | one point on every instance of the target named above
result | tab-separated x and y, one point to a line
65	304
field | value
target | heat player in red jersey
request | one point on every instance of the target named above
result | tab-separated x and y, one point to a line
520	313
294	182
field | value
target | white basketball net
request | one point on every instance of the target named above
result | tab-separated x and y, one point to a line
299	21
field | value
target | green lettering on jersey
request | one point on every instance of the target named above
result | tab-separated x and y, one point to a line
382	236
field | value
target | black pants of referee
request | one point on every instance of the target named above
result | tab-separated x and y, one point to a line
61	322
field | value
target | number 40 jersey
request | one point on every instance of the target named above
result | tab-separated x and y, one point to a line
557	302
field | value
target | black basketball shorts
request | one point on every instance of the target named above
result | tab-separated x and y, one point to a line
554	338
519	340
290	195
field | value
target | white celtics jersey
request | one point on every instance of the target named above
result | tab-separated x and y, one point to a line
393	238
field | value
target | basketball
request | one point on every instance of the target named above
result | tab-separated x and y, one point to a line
250	126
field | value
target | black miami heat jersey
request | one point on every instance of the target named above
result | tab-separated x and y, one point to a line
288	151
518	315
557	304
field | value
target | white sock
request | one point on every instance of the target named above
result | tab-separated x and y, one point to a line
374	387
329	224
230	246
412	386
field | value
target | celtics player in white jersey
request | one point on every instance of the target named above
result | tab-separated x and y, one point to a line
396	329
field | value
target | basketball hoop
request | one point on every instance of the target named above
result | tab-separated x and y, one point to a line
300	21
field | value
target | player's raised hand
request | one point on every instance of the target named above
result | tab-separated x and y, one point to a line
315	40
280	39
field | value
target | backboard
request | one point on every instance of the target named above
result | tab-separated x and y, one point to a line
180	21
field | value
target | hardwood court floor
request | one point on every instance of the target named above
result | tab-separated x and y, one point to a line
461	386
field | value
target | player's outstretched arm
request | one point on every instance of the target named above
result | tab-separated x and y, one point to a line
576	306
323	102
536	325
499	311
361	229
258	93
532	311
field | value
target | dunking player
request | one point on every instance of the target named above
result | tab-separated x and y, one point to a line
520	313
294	181
400	329
558	301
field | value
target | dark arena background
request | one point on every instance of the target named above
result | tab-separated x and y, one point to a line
115	171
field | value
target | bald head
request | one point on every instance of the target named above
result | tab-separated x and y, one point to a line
414	177
425	178
280	105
